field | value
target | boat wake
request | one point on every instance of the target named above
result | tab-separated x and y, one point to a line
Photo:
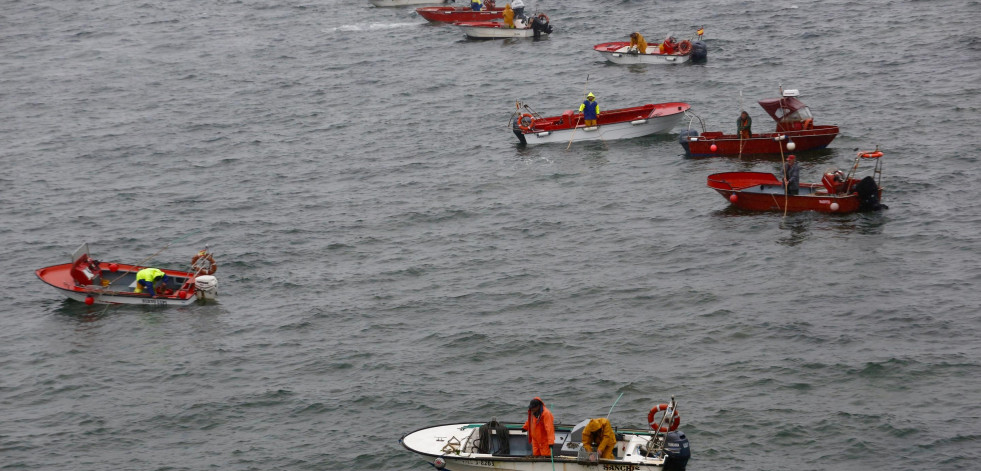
372	27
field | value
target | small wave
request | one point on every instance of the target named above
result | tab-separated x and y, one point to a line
372	27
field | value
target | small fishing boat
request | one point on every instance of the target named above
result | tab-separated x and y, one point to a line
620	52
837	193
793	120
403	3
98	282
625	123
459	14
474	446
538	26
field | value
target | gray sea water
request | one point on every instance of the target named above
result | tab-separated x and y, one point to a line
391	258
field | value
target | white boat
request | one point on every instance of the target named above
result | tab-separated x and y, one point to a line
620	52
624	123
477	446
97	282
536	27
402	3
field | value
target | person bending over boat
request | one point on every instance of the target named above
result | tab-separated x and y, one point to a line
508	16
590	110
149	279
599	431
475	5
637	43
791	175
541	428
744	125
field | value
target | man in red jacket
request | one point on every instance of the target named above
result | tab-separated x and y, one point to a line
541	428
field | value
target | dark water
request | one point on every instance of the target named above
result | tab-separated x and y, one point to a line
390	258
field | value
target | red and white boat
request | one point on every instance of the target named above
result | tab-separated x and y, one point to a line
624	123
533	27
793	120
97	282
837	192
620	52
458	14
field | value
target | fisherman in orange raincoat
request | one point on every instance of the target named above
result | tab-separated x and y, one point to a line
508	16
541	428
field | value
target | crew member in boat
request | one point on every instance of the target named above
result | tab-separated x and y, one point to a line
637	43
508	16
744	125
669	45
540	427
590	110
599	431
475	5
149	279
791	175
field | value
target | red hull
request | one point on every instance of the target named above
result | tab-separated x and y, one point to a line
758	191
730	144
456	14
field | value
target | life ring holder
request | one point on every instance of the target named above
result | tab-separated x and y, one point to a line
521	122
201	269
870	155
667	427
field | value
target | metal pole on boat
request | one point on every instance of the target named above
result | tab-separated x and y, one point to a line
577	119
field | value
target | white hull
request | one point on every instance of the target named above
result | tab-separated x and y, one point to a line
608	132
490	32
621	56
113	299
402	3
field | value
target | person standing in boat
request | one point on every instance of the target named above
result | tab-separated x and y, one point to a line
637	43
475	5
508	14
669	45
149	279
599	431
744	125
541	428
590	110
791	175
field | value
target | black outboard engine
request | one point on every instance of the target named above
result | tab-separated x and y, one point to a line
683	139
868	195
699	52
676	451
540	25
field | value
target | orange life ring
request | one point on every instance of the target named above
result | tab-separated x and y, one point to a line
663	428
542	15
205	256
684	47
521	122
808	123
870	155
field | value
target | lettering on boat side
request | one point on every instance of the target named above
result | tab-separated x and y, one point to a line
824	201
158	302
621	467
484	463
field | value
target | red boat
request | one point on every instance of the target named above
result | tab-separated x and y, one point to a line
837	192
455	14
793	121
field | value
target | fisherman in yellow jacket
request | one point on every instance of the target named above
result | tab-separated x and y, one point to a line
599	431
148	279
508	16
637	42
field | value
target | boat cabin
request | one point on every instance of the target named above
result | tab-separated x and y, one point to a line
790	113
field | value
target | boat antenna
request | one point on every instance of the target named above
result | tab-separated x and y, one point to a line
614	405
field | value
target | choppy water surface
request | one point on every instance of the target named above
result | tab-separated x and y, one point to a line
390	258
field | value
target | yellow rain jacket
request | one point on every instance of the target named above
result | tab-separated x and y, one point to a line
508	16
599	431
146	274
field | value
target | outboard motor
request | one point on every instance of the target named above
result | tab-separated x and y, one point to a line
868	195
699	52
540	25
683	138
676	451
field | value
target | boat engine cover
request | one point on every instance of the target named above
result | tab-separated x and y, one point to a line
677	451
206	283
